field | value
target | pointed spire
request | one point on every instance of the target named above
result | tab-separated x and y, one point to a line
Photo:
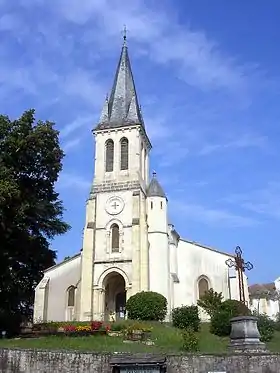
123	106
105	111
133	113
154	188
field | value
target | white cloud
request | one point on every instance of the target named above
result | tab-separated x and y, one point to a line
83	121
73	181
199	59
240	142
212	216
84	84
68	145
157	128
263	201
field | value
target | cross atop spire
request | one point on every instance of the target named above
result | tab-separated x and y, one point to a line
124	34
122	107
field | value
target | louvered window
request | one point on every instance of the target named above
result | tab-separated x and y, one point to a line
124	153
115	233
109	155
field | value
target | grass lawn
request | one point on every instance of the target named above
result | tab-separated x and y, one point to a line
167	340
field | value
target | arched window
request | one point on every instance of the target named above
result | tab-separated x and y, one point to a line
124	153
203	287
109	157
71	297
115	234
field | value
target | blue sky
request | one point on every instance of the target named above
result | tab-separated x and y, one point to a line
207	76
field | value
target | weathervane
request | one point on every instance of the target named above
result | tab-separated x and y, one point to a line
240	266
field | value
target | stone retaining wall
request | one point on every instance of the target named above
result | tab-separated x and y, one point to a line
41	361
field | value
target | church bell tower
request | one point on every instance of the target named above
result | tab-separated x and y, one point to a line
115	258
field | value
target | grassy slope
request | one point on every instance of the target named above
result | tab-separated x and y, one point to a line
166	338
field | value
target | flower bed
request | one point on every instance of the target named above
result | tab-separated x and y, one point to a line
133	331
67	329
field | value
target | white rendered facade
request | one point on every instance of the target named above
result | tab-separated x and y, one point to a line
128	244
265	298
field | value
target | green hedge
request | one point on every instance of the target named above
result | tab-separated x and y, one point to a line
147	306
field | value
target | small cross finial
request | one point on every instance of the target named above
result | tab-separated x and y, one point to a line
124	34
154	174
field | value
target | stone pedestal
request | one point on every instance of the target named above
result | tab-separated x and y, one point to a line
245	336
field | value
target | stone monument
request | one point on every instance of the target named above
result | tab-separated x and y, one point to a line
245	336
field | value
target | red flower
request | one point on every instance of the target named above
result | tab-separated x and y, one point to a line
69	328
108	328
96	325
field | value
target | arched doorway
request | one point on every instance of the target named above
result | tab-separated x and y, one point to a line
115	296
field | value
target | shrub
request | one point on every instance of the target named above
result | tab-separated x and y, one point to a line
210	301
235	308
10	323
186	317
190	341
117	326
220	323
147	305
266	327
277	322
220	320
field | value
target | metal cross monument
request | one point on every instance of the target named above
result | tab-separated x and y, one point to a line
240	266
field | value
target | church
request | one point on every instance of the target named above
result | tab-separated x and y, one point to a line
128	243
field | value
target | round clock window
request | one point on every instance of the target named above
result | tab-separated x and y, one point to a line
114	205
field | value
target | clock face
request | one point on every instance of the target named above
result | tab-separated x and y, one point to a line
114	205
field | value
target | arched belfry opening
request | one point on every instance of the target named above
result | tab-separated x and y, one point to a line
115	296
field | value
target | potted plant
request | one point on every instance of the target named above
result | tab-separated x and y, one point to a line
136	332
147	332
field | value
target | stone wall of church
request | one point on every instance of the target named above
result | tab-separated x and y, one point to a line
159	261
196	262
61	277
135	162
265	306
32	361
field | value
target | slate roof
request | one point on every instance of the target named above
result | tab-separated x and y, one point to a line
121	108
257	289
155	189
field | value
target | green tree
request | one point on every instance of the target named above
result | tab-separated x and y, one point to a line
30	211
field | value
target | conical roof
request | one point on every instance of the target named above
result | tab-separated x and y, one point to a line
122	107
155	189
